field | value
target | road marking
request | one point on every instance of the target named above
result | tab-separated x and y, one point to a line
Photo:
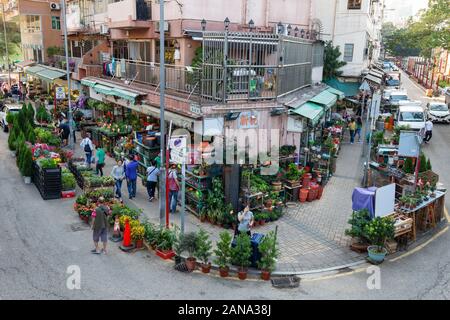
334	276
423	245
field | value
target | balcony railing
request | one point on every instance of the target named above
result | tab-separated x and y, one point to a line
58	61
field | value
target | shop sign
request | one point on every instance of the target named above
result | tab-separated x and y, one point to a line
294	125
60	93
178	149
248	120
195	108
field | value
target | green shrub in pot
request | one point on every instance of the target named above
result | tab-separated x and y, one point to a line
269	252
378	230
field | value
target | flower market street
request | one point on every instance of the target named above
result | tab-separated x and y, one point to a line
40	240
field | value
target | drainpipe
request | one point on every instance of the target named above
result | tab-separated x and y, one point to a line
267	13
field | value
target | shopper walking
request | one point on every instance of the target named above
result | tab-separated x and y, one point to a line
152	180
100	226
87	145
174	187
246	220
358	128
100	164
352	129
118	173
428	131
131	175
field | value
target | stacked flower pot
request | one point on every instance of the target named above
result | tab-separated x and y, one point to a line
48	182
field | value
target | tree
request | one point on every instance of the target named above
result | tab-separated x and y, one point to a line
13	38
332	64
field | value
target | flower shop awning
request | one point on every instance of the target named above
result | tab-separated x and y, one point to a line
87	82
325	98
45	73
111	89
99	88
310	110
26	63
339	93
349	89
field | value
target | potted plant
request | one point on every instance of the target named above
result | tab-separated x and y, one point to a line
137	234
293	175
150	234
165	241
358	222
190	245
377	231
178	245
241	254
223	253
203	250
269	253
27	165
69	184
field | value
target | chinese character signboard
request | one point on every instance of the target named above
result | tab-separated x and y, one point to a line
248	120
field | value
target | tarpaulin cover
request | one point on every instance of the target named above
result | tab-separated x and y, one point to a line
364	199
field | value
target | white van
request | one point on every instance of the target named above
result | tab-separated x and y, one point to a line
412	115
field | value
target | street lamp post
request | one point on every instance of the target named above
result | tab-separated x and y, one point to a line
69	82
6	45
162	91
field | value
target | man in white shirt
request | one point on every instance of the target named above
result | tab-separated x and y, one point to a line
428	131
87	146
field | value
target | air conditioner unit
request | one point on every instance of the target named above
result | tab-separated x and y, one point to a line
166	26
104	29
55	6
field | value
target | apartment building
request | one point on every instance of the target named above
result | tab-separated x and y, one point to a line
40	26
354	26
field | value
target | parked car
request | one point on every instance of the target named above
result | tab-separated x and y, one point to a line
8	108
412	115
397	96
438	112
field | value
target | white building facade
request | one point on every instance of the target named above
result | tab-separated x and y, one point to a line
354	26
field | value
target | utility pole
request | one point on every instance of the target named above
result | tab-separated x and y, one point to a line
66	48
162	91
6	45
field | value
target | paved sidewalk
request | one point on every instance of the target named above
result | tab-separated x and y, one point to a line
311	235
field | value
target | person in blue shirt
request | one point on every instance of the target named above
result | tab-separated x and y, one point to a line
131	176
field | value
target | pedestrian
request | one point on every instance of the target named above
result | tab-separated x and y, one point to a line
64	132
358	128
152	180
87	145
428	131
73	126
246	220
157	161
352	129
100	226
174	187
131	176
100	155
118	173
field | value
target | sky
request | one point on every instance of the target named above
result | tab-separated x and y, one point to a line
402	9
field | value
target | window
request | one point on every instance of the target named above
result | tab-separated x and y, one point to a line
32	24
348	52
56	23
169	51
354	4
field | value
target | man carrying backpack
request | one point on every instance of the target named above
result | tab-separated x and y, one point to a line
87	145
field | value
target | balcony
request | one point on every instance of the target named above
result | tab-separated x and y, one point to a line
129	14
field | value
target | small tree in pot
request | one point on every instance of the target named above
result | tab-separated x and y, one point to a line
203	250
241	254
189	243
269	253
27	165
377	232
358	222
223	253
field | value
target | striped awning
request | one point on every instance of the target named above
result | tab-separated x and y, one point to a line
311	111
325	98
339	93
45	73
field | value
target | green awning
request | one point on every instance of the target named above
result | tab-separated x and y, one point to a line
88	83
310	110
50	75
124	94
339	93
99	88
350	89
34	70
325	98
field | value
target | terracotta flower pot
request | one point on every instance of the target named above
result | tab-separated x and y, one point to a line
224	272
139	243
262	222
206	267
265	275
242	274
191	263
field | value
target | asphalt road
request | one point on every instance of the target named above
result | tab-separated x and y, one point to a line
40	240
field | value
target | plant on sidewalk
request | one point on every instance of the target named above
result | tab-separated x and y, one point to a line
68	181
293	173
203	247
26	163
378	230
223	250
241	253
165	239
189	244
269	252
358	222
137	232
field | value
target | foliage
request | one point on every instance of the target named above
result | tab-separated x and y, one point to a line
287	150
378	230
377	138
42	115
68	181
46	163
27	163
293	173
332	64
137	232
269	252
223	250
254	182
203	246
12	140
429	164
423	162
189	243
81	200
150	232
358	222
408	166
54	51
12	36
242	252
10	117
